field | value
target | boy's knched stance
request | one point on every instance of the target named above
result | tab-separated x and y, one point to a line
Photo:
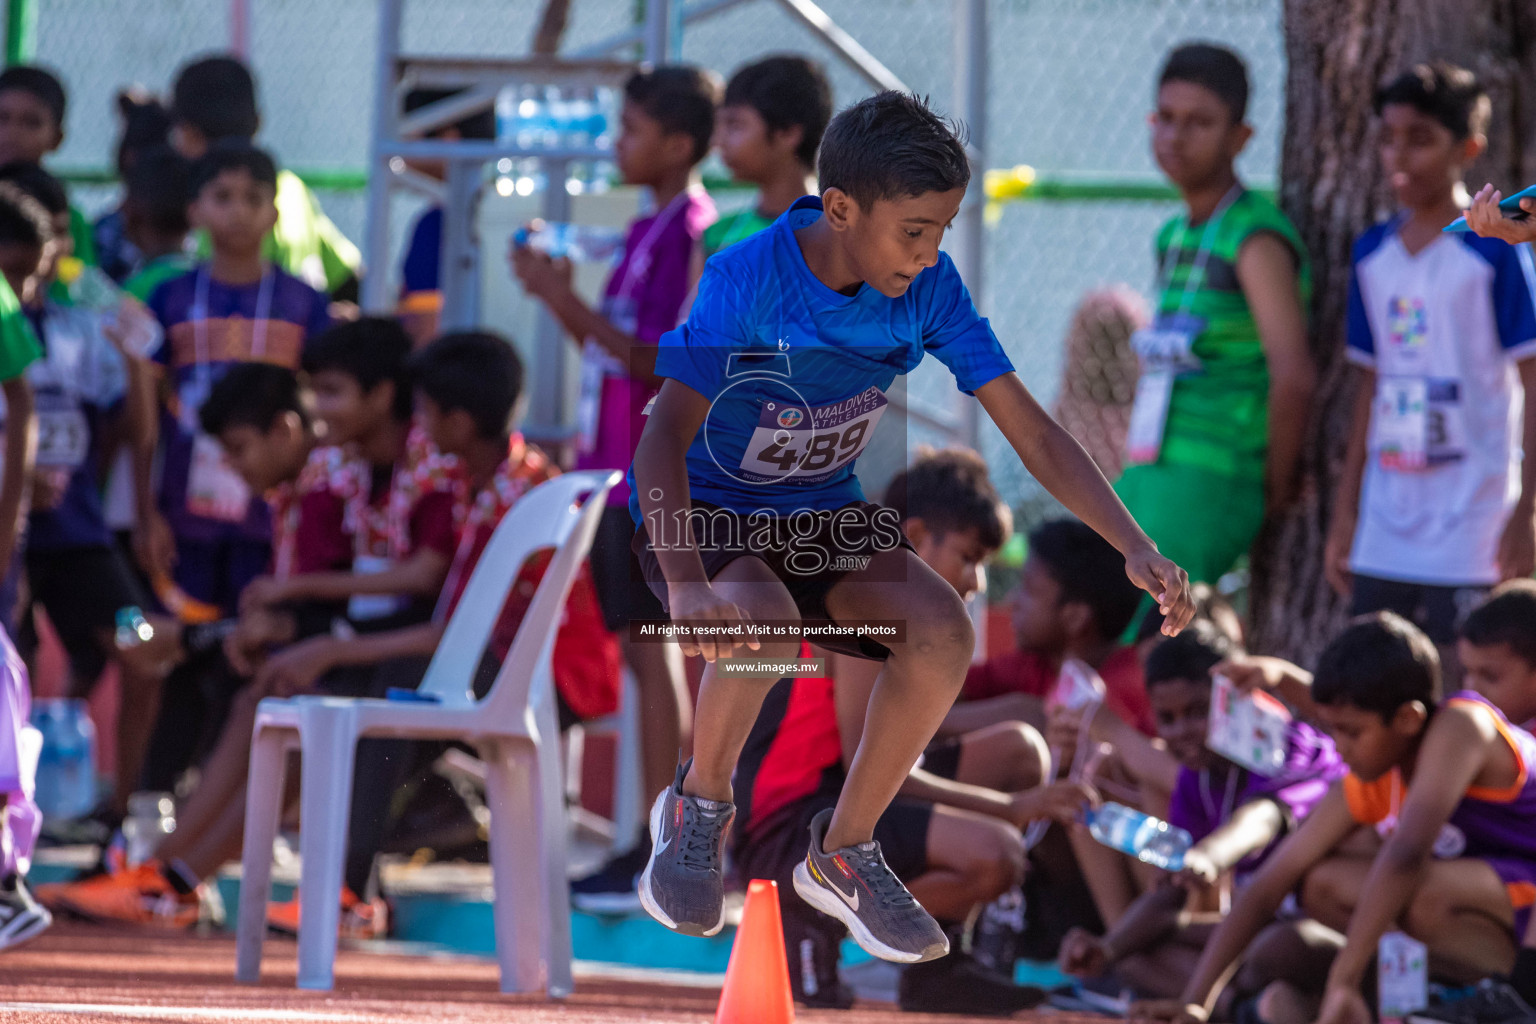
744	490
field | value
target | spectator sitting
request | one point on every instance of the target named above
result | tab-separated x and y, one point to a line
767	131
375	532
146	125
1234	815
1417	765
953	833
214	99
1073	601
32	104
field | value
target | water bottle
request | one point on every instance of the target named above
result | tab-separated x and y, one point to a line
90	288
1148	839
66	773
132	628
579	243
151	817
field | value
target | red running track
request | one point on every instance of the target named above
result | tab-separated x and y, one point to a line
80	974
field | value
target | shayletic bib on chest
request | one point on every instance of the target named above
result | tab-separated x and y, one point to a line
808	444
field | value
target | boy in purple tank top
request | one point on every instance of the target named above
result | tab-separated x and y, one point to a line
1449	788
1497	651
665	129
1235	816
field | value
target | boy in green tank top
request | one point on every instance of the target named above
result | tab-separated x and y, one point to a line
767	131
1226	377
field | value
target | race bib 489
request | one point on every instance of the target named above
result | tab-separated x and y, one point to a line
810	445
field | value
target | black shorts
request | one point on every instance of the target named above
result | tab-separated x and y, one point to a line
832	537
774	847
621	590
81	589
1437	610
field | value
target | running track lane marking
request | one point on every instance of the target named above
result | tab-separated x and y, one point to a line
187	1012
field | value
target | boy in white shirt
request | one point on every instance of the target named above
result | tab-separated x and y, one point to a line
1434	507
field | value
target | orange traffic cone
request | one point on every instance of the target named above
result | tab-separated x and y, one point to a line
757	979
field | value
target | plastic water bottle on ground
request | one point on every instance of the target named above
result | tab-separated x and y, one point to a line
579	243
1148	839
151	817
66	772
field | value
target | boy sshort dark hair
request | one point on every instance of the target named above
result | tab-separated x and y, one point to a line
950	490
232	155
371	350
1507	617
1449	94
252	395
890	146
476	371
39	184
681	98
217	96
1378	664
1212	67
1189	656
1088	569
159	186
39	82
787	91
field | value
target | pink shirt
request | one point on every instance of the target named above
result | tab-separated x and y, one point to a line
644	298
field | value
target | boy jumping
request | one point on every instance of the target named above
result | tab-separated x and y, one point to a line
749	511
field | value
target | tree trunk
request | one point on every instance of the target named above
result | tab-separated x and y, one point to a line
1332	186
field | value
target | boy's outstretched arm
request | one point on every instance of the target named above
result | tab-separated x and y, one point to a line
1055	459
1327	826
1266	270
1459	743
420	575
661	487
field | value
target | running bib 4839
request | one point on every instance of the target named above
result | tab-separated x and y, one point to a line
809	445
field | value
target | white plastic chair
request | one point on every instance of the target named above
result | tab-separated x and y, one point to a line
513	728
628	781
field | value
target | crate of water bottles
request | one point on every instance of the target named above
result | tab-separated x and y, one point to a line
540	118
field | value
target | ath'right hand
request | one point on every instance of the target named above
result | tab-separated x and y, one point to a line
1486	220
696	606
1083	954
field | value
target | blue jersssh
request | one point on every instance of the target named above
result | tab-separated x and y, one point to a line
797	372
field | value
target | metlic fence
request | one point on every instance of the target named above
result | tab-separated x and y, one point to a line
1070	83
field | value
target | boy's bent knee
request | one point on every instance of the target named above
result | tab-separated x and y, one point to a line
946	635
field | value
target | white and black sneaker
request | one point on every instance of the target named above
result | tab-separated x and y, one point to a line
21	917
855	886
683	884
